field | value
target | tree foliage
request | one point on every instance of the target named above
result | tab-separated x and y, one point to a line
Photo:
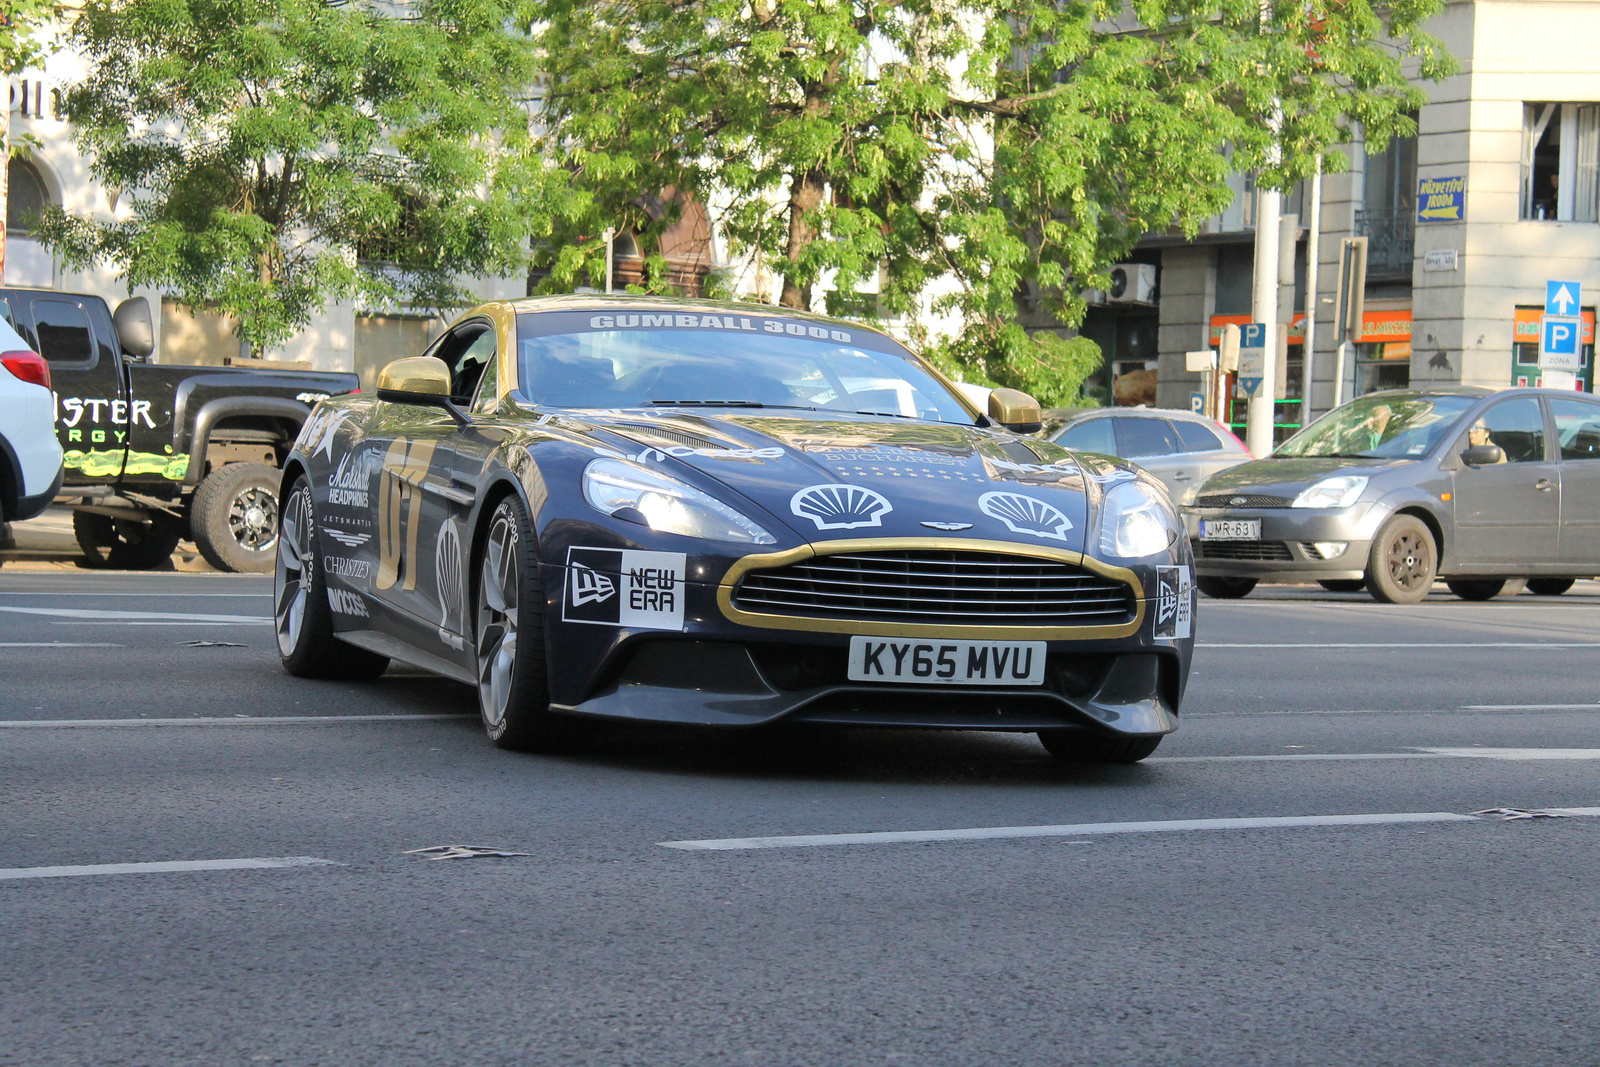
988	150
20	43
280	153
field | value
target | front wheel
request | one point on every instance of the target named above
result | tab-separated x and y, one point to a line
234	516
1475	588
125	544
1549	586
1403	561
301	616
1077	746
1219	588
513	682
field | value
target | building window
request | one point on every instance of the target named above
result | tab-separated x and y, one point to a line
26	198
1561	162
1388	213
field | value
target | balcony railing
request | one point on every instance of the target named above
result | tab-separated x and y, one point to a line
1391	242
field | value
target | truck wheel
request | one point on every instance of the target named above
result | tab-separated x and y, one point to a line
300	614
1403	562
1077	746
1225	588
234	516
124	544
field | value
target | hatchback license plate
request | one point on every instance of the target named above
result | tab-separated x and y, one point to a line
1230	529
932	662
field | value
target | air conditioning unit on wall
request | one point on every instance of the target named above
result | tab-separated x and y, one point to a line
1132	283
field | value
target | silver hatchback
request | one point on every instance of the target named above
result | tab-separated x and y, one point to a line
1180	448
1398	488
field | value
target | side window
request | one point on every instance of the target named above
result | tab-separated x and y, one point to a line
1090	435
1196	437
465	352
1577	428
63	332
1144	437
488	383
1517	426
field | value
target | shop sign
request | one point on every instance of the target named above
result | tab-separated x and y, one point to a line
1441	199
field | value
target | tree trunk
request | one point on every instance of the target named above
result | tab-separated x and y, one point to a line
805	194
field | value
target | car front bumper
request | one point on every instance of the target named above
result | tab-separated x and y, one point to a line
1288	550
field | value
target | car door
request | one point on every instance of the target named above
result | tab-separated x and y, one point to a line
1507	515
1151	442
1089	435
1577	439
93	413
1203	448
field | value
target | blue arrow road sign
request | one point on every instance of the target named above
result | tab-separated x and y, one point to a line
1562	298
1559	338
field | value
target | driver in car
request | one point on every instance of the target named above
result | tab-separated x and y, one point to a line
1479	435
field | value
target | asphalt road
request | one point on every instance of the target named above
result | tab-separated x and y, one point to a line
1424	936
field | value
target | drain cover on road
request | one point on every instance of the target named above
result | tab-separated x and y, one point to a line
1507	814
461	852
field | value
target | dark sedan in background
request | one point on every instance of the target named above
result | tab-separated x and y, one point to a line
1396	489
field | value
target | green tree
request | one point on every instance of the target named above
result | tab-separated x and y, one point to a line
281	153
20	23
1005	149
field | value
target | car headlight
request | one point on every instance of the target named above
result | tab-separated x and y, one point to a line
1338	492
1136	521
629	492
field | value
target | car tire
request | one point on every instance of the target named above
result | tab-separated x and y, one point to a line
1219	588
1549	586
1403	561
1080	746
1342	585
125	544
301	617
513	678
234	516
1475	588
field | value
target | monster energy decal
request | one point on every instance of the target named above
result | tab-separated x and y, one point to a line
106	464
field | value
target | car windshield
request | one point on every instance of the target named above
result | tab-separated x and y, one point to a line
633	359
1387	427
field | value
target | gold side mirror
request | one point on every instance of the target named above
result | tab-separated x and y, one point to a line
412	378
1015	410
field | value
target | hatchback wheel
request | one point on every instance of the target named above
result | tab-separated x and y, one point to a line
1549	586
1342	585
1475	588
1403	561
1225	588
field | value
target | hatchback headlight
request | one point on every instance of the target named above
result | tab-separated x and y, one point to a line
1136	521
1338	492
632	493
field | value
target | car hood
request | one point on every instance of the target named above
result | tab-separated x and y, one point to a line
828	476
1287	477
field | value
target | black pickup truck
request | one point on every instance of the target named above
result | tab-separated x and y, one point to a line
157	452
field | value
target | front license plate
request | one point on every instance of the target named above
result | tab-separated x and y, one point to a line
1230	529
928	662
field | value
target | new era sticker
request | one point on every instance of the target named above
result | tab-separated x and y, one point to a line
1174	606
621	587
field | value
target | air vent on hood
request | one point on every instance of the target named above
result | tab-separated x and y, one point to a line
677	437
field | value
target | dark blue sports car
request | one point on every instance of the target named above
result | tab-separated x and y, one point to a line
728	514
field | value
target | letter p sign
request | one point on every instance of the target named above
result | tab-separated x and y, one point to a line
1559	342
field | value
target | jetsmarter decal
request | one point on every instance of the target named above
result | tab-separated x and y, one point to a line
98	464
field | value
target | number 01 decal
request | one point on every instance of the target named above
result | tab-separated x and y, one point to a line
404	467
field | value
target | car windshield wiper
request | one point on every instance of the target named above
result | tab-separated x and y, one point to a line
727	404
888	414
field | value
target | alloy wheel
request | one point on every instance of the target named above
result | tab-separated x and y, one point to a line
253	519
498	588
1410	562
292	575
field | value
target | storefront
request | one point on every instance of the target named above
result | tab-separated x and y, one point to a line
1525	350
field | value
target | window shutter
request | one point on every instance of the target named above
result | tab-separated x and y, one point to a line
1586	198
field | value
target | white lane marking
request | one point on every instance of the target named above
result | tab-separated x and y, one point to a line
1402	644
1518	753
186	596
58	644
1530	707
121	616
989	833
164	867
245	621
255	720
1512	754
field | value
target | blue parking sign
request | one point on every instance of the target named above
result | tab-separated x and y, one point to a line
1560	337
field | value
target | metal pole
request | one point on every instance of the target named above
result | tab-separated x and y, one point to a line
1264	309
610	249
1309	350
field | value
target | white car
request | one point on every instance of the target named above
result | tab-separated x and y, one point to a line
30	455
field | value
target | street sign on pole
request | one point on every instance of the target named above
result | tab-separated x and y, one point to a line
1559	342
1252	357
1197	403
1562	298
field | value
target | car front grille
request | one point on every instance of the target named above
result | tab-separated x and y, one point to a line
1274	551
963	588
1242	500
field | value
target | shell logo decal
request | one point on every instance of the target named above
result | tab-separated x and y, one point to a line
840	507
1026	515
